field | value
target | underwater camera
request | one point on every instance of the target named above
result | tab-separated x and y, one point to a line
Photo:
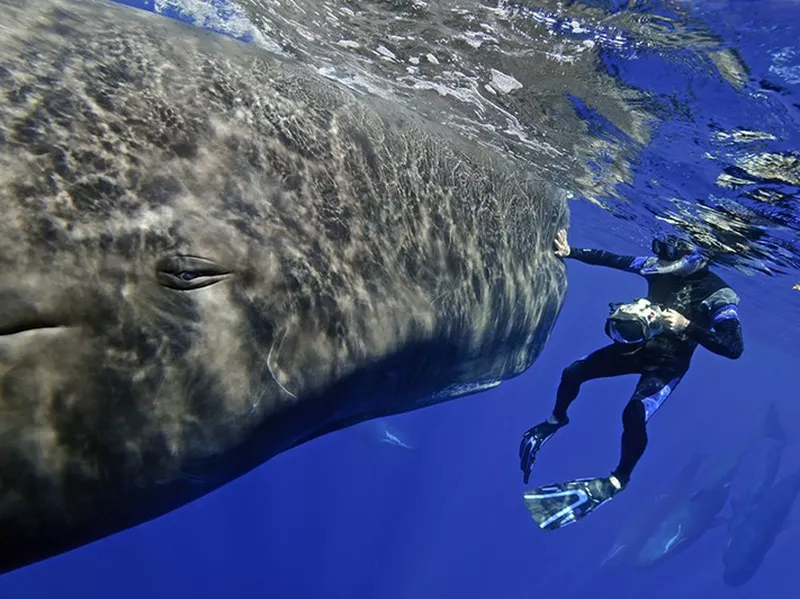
634	323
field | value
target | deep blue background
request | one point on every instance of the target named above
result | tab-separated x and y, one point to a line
345	517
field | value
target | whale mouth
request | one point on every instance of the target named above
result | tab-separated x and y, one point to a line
20	315
20	328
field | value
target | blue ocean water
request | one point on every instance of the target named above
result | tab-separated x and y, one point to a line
349	515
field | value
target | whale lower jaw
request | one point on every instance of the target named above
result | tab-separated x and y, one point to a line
13	346
21	333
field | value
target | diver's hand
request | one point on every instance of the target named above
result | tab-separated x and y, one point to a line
562	248
675	321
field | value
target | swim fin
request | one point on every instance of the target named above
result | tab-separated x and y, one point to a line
558	505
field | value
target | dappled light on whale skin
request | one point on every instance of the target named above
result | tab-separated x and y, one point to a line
212	254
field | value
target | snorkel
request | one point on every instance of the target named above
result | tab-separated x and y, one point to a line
675	257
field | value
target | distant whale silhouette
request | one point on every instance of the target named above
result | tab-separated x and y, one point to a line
378	430
753	537
209	255
688	521
762	511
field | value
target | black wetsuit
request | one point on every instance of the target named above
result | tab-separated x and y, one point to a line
704	299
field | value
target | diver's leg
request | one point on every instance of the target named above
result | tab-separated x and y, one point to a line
608	361
612	360
651	392
554	506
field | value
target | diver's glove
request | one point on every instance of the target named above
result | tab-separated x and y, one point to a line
532	441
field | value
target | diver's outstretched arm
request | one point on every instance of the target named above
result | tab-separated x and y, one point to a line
597	257
604	258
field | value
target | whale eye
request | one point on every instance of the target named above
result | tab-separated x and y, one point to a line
185	273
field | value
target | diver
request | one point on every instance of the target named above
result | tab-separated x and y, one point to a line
686	305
